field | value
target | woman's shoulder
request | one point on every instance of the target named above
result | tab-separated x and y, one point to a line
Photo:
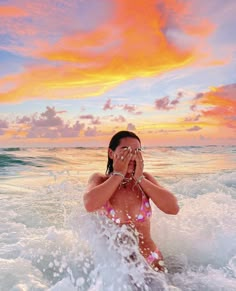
150	177
147	175
98	177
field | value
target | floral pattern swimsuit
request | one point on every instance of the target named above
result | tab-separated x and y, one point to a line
145	212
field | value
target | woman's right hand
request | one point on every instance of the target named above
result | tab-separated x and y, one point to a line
121	160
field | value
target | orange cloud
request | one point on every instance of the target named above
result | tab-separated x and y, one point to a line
220	105
129	45
204	28
12	11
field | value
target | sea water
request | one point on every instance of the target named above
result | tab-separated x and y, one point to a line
49	242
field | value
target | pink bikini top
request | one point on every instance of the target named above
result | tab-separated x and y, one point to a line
145	211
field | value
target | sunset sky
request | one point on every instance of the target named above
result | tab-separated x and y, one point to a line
73	72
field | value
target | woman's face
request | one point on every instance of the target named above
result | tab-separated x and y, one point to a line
134	144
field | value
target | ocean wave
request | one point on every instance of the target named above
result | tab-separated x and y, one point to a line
12	149
10	160
7	160
224	182
48	242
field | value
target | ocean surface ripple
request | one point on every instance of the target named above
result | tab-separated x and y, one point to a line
49	242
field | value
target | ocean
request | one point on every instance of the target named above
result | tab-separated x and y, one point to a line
49	242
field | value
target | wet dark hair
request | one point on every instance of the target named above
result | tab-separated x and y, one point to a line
114	142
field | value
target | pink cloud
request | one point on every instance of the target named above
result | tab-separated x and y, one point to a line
163	103
193	107
174	102
3	124
196	101
166	104
193	118
48	118
194	128
90	131
129	108
126	107
40	132
198	96
92	118
96	121
56	132
131	127
78	126
119	119
51	133
167	130
23	120
71	131
107	105
88	116
49	125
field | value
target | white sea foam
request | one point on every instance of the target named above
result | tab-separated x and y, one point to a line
48	242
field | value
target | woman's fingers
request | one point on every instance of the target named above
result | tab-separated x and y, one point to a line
124	154
139	159
139	165
121	160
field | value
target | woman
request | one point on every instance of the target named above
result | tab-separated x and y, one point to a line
123	193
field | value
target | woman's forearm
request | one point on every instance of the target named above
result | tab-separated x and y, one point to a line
162	198
97	196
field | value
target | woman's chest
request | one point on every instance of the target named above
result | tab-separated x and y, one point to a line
126	205
126	199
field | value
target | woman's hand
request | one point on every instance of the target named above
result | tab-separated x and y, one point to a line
121	161
139	165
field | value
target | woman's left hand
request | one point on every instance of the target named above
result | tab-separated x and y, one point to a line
139	165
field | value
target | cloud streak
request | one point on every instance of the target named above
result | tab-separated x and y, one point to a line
166	104
47	125
126	107
3	126
219	105
194	128
74	63
12	12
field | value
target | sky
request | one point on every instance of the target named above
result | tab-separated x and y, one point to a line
74	72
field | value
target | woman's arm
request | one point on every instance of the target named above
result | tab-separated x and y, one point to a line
100	191
161	197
